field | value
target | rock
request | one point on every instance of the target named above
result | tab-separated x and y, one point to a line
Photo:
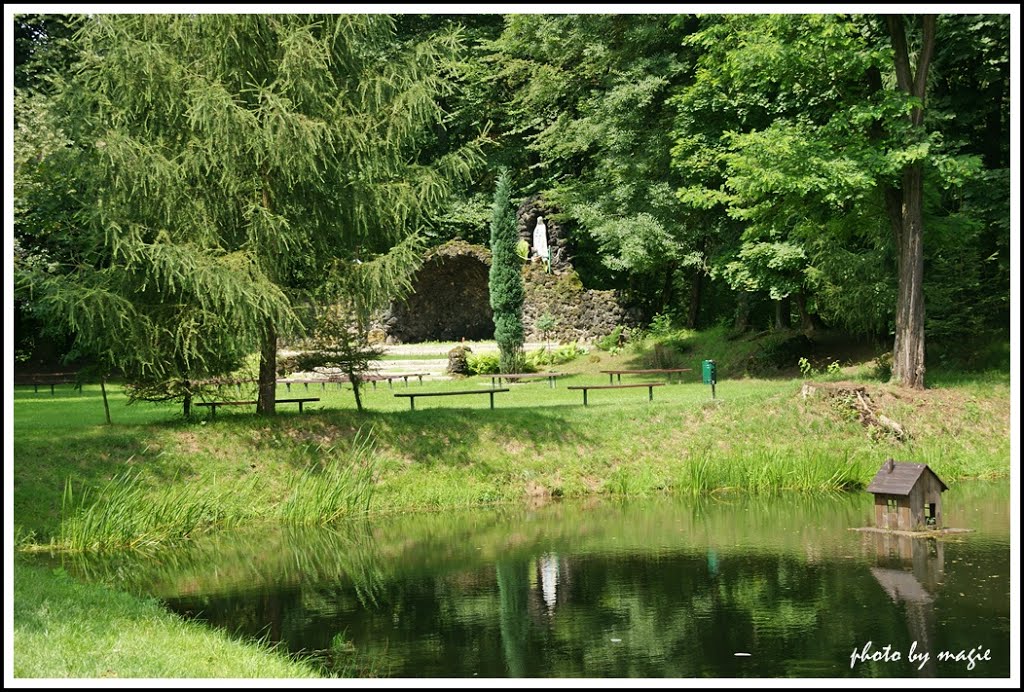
457	361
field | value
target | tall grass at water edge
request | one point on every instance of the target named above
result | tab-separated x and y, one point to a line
340	486
126	514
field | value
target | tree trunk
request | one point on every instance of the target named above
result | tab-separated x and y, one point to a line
908	349
357	381
696	294
782	310
809	321
265	402
667	287
908	365
106	406
742	322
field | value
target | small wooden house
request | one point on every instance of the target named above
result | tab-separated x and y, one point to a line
908	497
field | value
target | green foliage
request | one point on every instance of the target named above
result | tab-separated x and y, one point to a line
593	108
613	340
546	322
832	370
882	367
523	249
563	354
483	363
339	341
227	165
661	325
505	279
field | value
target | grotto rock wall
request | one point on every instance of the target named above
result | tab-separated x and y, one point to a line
451	301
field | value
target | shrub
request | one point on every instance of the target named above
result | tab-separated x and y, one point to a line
882	367
483	363
562	354
610	341
661	325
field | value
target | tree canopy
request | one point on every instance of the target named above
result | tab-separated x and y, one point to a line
186	183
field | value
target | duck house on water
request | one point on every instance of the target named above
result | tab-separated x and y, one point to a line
908	497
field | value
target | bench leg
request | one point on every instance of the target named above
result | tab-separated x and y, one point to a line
213	410
650	393
288	385
412	403
611	378
491	393
619	376
51	389
300	407
584	397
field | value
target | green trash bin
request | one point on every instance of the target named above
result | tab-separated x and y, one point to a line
709	370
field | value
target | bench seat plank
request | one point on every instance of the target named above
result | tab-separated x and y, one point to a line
214	404
412	395
651	371
650	388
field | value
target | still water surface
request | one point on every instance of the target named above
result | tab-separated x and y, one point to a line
726	587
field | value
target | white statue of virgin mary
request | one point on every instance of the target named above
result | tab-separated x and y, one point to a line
540	239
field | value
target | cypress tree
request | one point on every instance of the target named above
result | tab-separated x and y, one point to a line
506	279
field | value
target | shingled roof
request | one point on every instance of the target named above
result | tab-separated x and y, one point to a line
899	478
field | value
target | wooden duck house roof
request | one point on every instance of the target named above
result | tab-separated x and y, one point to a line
899	477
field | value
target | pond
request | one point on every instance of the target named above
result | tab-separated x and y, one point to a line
731	586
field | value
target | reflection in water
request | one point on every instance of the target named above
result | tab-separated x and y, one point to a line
912	571
549	580
655	589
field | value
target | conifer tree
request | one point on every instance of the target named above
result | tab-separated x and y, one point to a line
226	166
506	279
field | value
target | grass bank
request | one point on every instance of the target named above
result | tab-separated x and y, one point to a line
152	477
64	629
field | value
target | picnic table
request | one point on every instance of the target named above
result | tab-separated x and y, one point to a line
515	377
652	371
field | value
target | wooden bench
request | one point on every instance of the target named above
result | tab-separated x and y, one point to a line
322	381
513	377
221	382
650	388
214	404
402	375
412	395
653	371
47	379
